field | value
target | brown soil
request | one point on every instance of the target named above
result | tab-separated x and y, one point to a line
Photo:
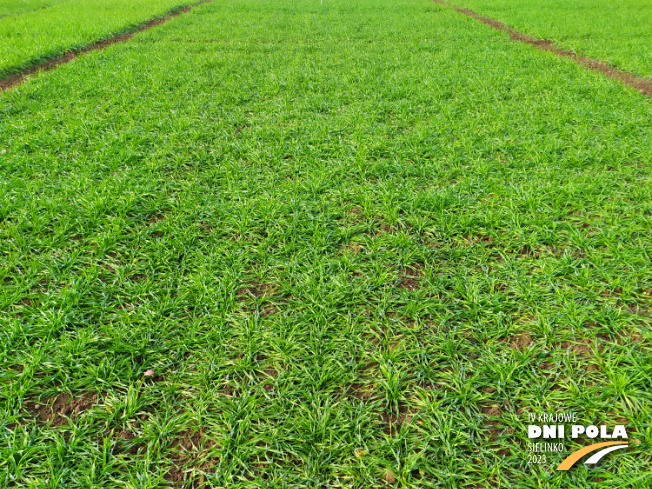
583	348
58	409
354	247
266	292
409	283
636	337
257	290
641	84
491	411
411	278
158	217
125	442
186	453
356	211
269	309
67	57
270	374
389	477
496	431
521	341
360	392
393	423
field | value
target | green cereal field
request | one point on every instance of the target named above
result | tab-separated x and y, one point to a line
33	30
616	31
323	244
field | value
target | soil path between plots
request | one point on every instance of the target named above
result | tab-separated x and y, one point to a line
641	84
13	80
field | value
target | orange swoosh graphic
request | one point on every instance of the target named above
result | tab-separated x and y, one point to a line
578	454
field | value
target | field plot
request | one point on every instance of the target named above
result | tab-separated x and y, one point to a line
351	244
33	30
18	7
619	33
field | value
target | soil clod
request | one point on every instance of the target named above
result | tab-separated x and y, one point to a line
58	410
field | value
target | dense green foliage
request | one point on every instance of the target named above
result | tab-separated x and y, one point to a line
31	30
347	236
618	32
15	7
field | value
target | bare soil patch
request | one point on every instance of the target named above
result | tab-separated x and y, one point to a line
582	348
410	278
127	441
640	84
57	410
256	290
491	411
521	341
392	423
187	452
269	295
270	376
360	391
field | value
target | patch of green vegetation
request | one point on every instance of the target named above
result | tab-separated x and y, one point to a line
348	238
619	33
17	7
34	30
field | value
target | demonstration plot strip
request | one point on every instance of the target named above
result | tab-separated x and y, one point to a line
15	14
642	85
67	57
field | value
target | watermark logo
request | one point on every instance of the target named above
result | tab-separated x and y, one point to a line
554	427
578	454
